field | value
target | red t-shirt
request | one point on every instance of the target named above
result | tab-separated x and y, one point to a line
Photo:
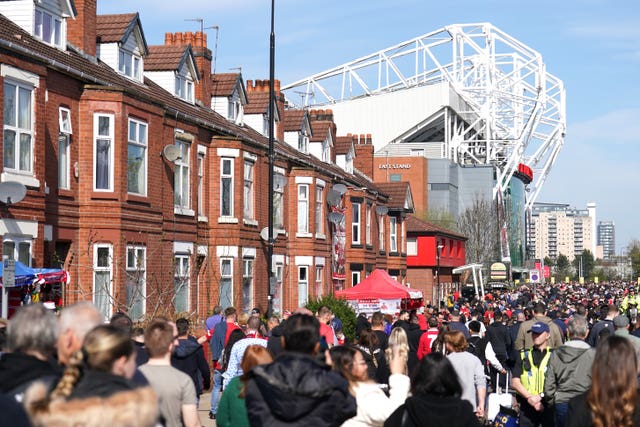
326	331
426	340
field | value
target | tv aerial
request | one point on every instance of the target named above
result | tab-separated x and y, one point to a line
12	192
171	152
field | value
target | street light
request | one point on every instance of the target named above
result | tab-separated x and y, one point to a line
272	97
438	251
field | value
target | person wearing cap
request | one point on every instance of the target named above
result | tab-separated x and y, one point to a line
529	377
621	325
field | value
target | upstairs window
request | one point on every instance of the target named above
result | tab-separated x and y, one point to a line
248	189
319	210
103	152
18	127
181	175
64	140
129	65
303	143
393	234
303	208
48	27
137	158
356	224
184	88
226	186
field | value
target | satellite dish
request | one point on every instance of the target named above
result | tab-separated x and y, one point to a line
339	188
336	217
334	198
264	234
12	192
171	153
382	210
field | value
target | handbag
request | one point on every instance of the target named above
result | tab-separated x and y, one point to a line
498	399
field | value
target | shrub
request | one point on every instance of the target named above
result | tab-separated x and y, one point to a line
341	309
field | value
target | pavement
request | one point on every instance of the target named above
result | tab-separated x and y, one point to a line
203	410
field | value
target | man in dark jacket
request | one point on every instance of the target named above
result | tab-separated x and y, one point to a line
296	389
500	338
219	340
188	357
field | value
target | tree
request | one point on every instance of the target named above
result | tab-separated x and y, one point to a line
548	261
342	310
441	218
563	266
634	255
588	263
479	223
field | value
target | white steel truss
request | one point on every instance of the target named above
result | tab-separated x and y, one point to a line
517	109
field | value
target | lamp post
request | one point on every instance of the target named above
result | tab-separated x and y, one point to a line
438	250
270	240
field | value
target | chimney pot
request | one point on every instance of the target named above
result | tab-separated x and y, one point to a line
168	39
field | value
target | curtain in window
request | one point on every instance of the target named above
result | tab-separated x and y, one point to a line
103	156
101	292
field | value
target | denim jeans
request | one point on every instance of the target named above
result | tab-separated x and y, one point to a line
216	390
562	409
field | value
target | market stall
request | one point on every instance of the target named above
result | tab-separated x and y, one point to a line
381	292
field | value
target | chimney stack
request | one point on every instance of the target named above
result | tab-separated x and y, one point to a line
81	32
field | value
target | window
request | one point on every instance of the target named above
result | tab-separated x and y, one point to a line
381	238
355	224
368	226
201	205
303	143
355	278
247	284
226	187
393	234
181	283
303	208
64	140
395	177
137	158
326	152
319	280
248	189
403	237
18	248
102	274
319	210
412	246
129	64
18	127
226	282
277	297
48	28
181	175
184	88
303	285
103	152
136	281
278	203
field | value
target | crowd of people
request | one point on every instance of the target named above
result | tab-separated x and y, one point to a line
567	354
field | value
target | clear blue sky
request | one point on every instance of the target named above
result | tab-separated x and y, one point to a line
592	45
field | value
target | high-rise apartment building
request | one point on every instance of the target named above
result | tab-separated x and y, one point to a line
557	228
607	238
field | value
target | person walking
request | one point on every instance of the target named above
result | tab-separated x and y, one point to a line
524	340
188	357
469	369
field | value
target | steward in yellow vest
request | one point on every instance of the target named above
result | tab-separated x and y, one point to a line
528	379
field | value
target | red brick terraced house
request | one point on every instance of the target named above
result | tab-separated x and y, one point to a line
146	174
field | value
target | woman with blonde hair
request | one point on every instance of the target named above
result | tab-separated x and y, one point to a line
374	407
96	387
613	399
232	410
398	339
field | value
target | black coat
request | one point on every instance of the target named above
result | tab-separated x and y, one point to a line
100	384
18	371
297	390
433	411
500	338
189	358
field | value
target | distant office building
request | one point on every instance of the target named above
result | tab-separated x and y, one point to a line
607	238
557	228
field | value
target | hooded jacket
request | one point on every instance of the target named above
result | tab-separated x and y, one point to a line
188	356
569	371
524	339
297	390
433	411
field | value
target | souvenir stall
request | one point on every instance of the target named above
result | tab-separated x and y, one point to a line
36	285
381	292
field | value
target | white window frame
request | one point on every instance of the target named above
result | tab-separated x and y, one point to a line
355	277
249	174
247	283
303	285
137	140
368	225
130	64
201	183
64	120
319	211
226	191
326	151
181	282
64	148
182	172
319	280
225	275
403	237
303	209
381	236
110	139
278	204
356	222
184	88
393	234
412	246
16	243
136	281
106	306
303	143
22	127
54	36
277	297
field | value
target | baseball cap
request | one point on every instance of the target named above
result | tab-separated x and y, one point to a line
539	327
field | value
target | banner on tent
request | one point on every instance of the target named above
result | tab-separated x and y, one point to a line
371	305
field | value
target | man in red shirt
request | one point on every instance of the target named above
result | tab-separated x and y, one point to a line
426	340
326	331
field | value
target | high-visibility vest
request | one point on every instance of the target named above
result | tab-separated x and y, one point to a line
533	379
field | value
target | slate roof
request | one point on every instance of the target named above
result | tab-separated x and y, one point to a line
223	84
418	226
166	58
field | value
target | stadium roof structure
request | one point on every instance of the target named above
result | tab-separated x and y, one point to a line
478	94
